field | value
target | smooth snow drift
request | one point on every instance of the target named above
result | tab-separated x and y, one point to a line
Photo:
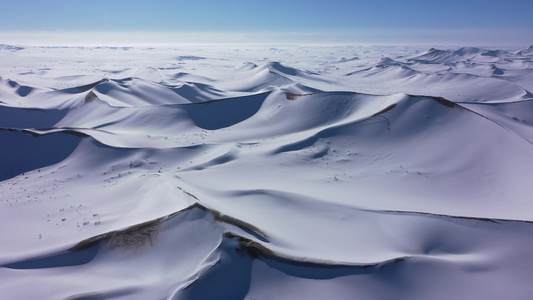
265	173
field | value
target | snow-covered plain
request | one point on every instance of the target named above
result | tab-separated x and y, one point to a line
249	172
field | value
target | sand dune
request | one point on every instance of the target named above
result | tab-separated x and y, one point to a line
526	52
436	56
310	173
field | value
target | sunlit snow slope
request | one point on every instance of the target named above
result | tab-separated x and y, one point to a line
266	173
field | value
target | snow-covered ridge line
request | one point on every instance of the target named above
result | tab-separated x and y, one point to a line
496	221
139	235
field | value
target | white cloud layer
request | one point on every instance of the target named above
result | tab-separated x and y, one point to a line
474	37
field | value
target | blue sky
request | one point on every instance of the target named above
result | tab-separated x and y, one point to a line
332	20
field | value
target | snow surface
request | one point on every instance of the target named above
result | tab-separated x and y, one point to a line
255	172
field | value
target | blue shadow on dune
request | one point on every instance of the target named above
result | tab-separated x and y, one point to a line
64	259
14	117
22	152
218	114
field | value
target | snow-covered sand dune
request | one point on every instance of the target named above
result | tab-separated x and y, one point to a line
265	173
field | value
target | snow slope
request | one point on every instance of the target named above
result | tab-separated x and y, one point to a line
265	173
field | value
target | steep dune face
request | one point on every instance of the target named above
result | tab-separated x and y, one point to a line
526	52
436	56
389	175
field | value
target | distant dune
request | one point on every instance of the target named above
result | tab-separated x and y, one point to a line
247	173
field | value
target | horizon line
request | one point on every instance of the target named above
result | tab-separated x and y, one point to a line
508	38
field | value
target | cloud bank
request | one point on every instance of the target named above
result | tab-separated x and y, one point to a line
473	37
